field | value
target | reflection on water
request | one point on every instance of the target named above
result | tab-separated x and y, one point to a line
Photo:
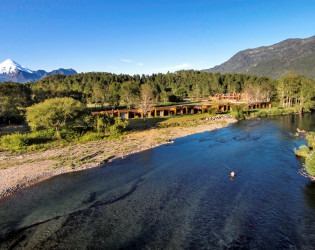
309	195
177	196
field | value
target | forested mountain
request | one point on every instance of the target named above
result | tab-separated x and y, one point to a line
274	61
12	71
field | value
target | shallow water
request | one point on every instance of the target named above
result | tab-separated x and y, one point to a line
177	196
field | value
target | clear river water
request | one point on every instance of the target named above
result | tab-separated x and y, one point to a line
177	196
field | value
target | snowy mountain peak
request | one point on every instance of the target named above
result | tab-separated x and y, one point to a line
8	67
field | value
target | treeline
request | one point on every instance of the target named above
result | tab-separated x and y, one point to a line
113	91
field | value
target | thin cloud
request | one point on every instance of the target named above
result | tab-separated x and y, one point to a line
140	64
181	66
125	60
112	67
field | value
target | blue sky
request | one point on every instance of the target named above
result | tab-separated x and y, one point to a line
136	37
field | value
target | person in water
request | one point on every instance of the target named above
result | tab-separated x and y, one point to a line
232	174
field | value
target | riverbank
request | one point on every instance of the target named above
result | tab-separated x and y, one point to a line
20	171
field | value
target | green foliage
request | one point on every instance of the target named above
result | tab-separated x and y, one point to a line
68	134
54	113
102	123
238	111
91	136
123	89
129	94
212	111
262	114
310	164
181	92
114	94
310	137
303	151
14	97
18	141
296	91
308	153
14	141
119	126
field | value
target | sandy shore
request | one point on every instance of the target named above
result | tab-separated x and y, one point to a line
17	172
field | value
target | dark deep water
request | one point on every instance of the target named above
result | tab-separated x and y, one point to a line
177	196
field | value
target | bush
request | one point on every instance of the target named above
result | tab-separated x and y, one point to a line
212	111
238	111
18	141
55	113
91	136
262	114
14	141
41	136
310	137
278	112
303	151
67	134
119	126
310	164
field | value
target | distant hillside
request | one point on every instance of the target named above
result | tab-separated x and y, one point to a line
274	61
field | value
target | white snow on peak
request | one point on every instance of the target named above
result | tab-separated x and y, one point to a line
8	66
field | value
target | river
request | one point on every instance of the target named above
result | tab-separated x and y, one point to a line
177	196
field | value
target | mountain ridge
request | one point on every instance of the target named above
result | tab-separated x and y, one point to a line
274	61
12	71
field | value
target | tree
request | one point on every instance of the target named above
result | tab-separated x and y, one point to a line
164	96
181	92
54	113
8	109
13	98
119	126
129	93
113	95
306	95
102	123
146	99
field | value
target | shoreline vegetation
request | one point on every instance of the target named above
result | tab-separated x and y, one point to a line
20	171
308	154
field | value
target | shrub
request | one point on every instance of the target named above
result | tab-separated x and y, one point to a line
41	136
119	126
91	136
310	137
212	111
18	141
262	114
68	134
14	141
303	151
238	111
278	112
54	113
310	164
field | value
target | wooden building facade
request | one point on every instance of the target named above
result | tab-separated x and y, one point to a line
176	110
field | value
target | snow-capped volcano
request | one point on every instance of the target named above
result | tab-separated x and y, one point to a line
9	67
12	71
